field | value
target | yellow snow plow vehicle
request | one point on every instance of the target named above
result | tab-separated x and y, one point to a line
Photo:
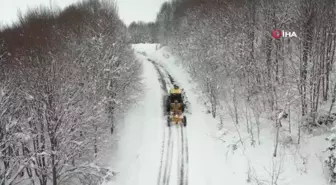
175	107
176	115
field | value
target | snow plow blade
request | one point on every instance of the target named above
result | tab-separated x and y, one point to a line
176	119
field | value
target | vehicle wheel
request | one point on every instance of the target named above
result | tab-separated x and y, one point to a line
168	122
184	121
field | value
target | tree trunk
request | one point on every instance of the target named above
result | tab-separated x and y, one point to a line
96	143
332	102
53	160
277	137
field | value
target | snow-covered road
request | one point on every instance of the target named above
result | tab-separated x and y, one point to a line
152	153
175	144
205	165
174	156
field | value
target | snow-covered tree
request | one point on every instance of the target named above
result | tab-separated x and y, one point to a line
72	75
234	38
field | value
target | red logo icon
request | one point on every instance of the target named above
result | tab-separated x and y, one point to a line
276	34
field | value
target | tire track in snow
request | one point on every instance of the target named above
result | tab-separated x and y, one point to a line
183	140
180	180
163	150
163	83
166	158
185	156
168	142
169	158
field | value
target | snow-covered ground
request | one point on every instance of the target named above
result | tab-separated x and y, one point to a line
138	151
214	157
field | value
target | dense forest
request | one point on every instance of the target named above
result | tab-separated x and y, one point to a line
228	49
64	75
140	32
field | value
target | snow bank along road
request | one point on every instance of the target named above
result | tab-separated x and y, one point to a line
174	143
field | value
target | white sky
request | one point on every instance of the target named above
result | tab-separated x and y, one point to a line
129	10
138	10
